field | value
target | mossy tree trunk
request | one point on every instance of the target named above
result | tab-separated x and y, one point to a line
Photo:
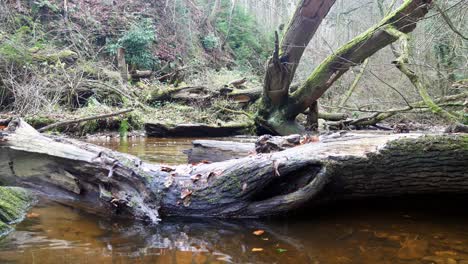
280	107
105	182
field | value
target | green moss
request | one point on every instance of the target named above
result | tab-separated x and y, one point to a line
14	203
39	121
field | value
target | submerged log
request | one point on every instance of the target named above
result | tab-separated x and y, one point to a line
102	181
195	130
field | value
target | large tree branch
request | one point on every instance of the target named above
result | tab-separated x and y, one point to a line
282	66
355	52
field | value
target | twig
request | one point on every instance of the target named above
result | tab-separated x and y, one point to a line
64	123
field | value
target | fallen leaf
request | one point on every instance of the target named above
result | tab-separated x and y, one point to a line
2	127
196	178
281	250
259	232
167	169
257	249
32	215
214	173
205	162
185	193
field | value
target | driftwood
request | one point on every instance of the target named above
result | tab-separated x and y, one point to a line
69	122
195	130
105	182
215	150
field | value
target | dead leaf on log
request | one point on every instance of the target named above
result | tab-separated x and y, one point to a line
259	232
257	249
309	139
185	193
201	162
167	169
196	178
215	173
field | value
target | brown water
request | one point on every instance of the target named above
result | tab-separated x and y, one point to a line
385	232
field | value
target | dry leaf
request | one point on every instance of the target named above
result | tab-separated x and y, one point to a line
185	193
259	232
257	249
214	173
196	178
205	162
167	169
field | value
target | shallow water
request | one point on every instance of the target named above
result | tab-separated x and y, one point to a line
432	231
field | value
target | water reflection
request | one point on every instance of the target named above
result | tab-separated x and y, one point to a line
157	150
431	231
58	234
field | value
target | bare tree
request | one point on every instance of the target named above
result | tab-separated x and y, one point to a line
280	107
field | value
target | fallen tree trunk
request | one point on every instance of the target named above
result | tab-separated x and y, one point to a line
103	181
195	130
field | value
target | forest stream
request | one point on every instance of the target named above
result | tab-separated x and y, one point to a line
399	232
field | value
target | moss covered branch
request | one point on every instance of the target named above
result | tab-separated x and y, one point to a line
355	52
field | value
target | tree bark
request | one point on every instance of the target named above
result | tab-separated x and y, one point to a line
122	65
279	108
105	182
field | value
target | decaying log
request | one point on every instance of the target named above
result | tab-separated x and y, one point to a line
101	181
69	122
268	143
215	150
195	130
186	93
245	96
238	83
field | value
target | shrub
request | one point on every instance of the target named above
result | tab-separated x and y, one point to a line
137	43
210	42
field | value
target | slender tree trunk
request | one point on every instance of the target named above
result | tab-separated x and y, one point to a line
122	65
